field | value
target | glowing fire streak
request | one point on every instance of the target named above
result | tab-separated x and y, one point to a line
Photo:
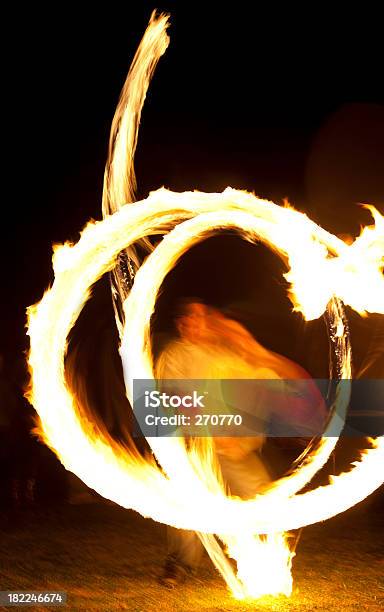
119	177
123	476
119	187
321	269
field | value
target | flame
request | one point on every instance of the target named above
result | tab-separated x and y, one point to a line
263	565
323	271
119	177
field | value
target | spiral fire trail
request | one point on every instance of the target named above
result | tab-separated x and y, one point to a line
324	273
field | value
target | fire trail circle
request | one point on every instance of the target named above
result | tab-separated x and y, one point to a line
324	273
123	476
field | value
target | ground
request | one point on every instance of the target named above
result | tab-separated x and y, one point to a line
107	558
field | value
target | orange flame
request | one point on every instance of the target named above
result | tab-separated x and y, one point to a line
186	493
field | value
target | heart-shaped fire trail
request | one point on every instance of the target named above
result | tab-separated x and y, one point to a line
183	487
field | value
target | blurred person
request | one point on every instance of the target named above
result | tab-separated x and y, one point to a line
214	347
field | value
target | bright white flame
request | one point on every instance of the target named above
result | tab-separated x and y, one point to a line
124	477
263	564
321	270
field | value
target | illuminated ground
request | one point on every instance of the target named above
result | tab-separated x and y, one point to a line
108	559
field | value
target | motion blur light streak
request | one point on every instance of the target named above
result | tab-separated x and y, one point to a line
323	272
119	177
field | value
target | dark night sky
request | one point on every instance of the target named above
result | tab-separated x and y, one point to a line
285	104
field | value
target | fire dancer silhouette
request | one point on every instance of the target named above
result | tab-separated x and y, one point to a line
212	346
